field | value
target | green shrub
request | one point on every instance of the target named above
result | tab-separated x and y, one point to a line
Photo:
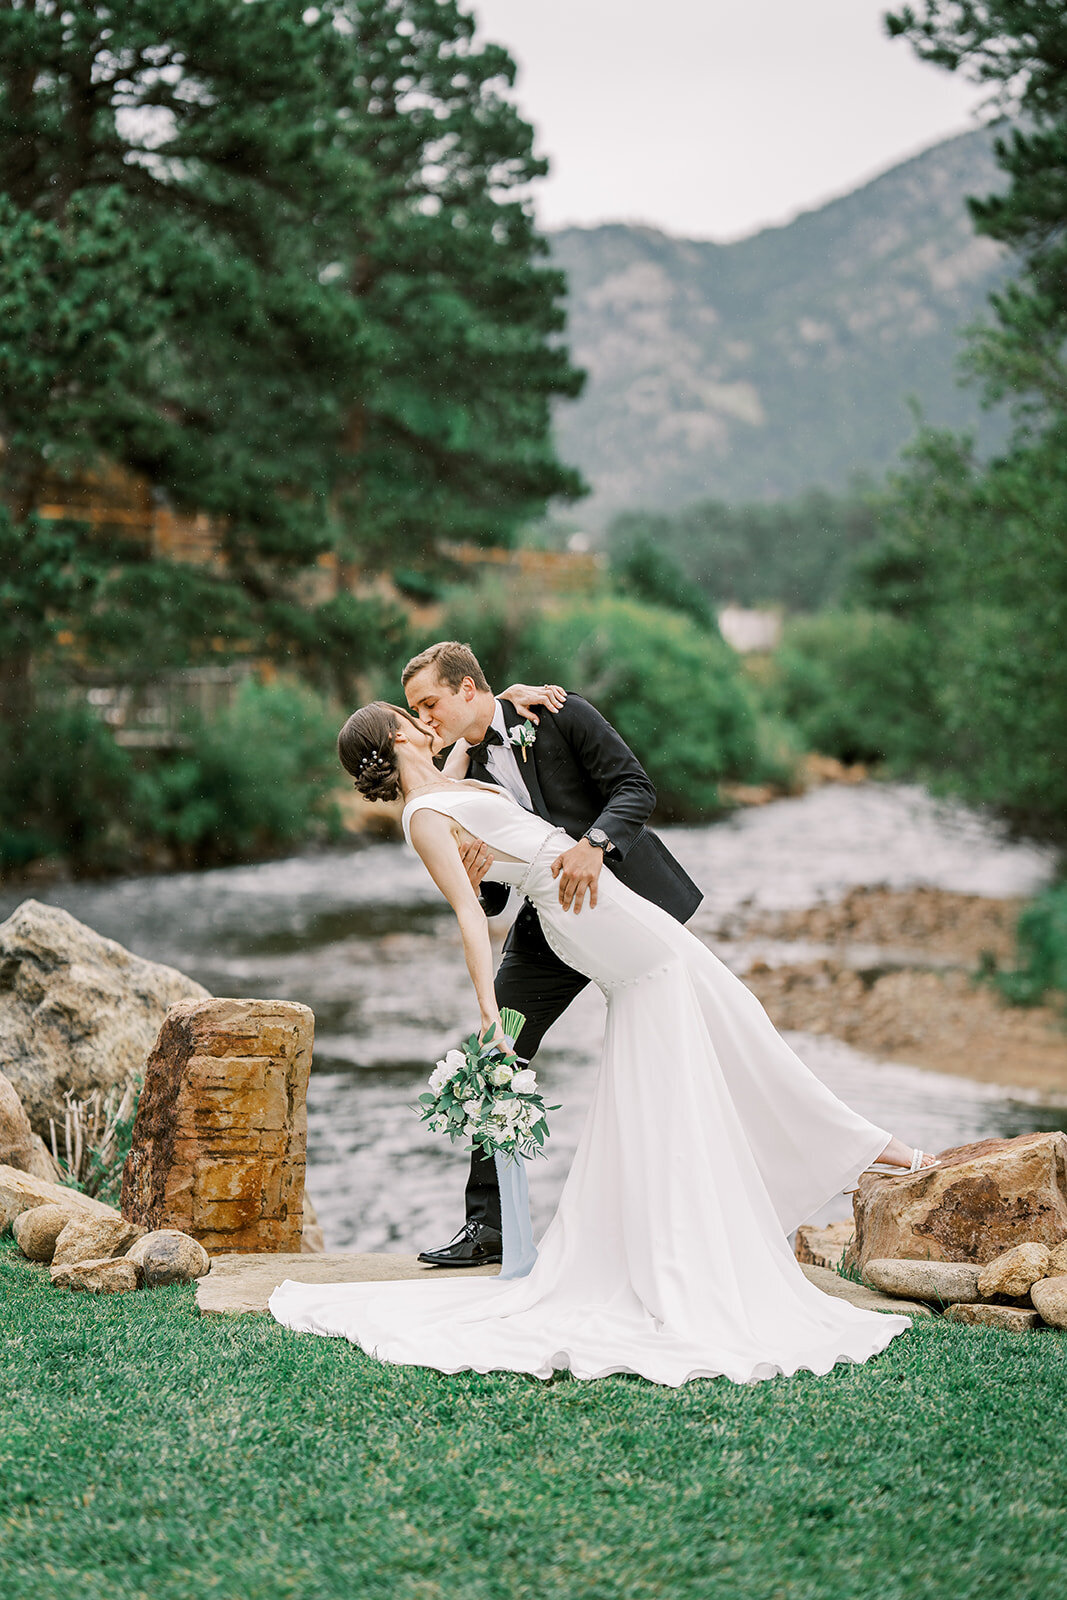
855	686
67	790
676	692
1042	942
258	777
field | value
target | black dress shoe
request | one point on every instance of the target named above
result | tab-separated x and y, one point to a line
475	1245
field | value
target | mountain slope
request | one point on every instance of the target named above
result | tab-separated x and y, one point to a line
750	371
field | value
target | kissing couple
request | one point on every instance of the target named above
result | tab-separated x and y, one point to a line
707	1139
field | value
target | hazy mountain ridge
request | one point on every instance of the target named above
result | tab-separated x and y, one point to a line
752	370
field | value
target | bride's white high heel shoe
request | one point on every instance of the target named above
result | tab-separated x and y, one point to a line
884	1170
901	1172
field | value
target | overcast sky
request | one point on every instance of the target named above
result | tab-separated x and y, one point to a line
712	118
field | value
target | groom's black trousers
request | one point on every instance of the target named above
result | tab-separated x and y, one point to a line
532	979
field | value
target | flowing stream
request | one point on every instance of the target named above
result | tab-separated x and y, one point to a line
363	937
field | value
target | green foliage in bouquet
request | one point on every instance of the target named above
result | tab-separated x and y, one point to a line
477	1093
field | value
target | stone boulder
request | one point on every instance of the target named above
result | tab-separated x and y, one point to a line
20	1191
1050	1298
167	1256
111	1275
219	1144
37	1230
77	1011
1057	1261
94	1239
312	1239
20	1147
982	1200
943	1282
1015	1271
816	1246
1013	1319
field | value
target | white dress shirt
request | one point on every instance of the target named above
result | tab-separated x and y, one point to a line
503	764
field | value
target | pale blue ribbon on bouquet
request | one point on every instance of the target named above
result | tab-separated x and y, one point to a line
519	1253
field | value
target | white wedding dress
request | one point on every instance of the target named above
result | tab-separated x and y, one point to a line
706	1141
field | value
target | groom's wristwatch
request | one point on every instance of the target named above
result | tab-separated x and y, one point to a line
598	837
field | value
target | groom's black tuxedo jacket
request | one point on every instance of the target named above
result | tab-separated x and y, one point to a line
581	774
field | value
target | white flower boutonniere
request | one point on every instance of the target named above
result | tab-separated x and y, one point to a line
523	737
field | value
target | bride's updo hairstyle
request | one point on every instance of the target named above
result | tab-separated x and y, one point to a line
368	754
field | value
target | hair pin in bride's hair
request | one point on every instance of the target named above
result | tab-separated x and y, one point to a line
377	763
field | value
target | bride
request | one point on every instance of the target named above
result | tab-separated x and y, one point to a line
707	1140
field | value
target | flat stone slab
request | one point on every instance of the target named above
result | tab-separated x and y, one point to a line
238	1282
244	1282
858	1294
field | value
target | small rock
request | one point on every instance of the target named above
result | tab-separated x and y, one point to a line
1014	1271
1057	1261
1050	1298
1013	1318
36	1231
19	1191
111	1275
950	1282
169	1256
94	1239
822	1247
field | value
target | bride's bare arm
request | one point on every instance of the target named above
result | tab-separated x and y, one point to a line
458	760
431	834
524	696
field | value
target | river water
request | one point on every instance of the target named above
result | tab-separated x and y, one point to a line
362	937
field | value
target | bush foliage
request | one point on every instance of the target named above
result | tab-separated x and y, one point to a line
675	691
253	780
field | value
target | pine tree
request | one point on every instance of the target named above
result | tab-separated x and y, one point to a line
1018	48
277	259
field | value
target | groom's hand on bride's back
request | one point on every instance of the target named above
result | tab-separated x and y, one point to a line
477	858
578	871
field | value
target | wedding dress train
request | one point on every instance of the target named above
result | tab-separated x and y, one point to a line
707	1140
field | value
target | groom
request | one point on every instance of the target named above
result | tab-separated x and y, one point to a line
581	776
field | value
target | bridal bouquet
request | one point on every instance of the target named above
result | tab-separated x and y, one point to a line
476	1093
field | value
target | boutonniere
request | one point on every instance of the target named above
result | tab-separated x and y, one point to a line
523	737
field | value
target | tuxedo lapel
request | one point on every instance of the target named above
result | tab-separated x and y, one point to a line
527	768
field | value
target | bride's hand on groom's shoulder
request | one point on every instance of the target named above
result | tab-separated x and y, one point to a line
525	696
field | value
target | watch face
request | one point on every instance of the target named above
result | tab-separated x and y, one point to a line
597	836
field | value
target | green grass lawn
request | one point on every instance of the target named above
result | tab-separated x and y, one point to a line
148	1451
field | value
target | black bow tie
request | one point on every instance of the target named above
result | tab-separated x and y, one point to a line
480	751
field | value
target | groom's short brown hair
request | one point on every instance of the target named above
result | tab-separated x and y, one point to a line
451	661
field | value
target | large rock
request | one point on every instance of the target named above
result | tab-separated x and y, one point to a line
312	1239
1015	1271
220	1140
93	1238
983	1199
1050	1298
110	1275
16	1135
824	1246
167	1256
940	1282
20	1147
1057	1261
1013	1319
37	1230
20	1191
77	1011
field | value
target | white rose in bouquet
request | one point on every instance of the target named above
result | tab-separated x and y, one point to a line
524	1082
500	1076
472	1108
